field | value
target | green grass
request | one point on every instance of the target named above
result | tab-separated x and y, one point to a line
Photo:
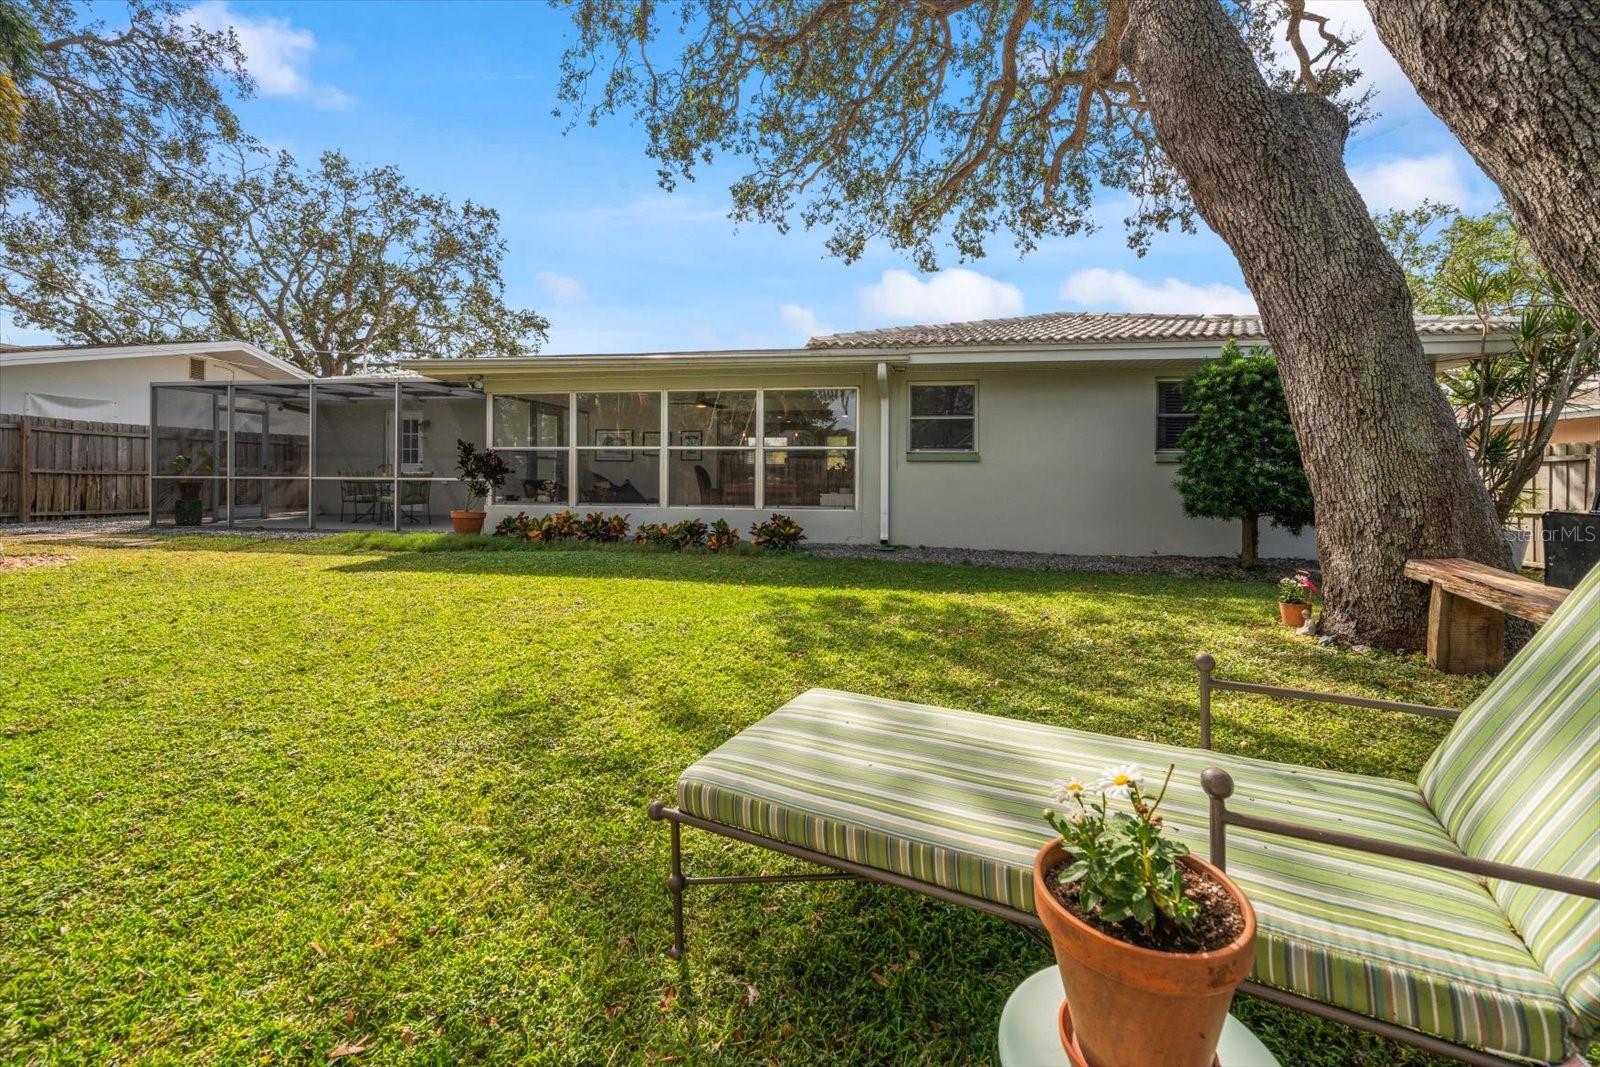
261	799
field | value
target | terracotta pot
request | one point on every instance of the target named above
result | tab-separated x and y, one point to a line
1294	614
1132	1006
467	522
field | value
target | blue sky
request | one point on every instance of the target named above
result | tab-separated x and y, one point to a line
459	97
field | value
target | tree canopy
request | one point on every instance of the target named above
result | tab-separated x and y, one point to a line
911	122
333	268
1240	459
134	209
1509	399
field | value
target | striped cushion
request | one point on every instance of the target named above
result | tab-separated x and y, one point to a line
1518	780
953	798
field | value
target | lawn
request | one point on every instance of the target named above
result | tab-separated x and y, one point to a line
264	801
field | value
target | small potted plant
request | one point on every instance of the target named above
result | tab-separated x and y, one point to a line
189	509
483	473
1294	599
1151	941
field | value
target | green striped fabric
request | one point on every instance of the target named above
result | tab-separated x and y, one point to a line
1518	781
953	798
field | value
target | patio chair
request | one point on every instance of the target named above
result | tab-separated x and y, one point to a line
415	499
360	498
1459	913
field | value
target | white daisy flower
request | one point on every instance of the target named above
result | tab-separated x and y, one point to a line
1120	782
1068	790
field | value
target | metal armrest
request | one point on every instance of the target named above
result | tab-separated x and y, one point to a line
1218	785
1205	663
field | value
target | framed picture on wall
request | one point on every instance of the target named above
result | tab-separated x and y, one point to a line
652	439
614	446
691	439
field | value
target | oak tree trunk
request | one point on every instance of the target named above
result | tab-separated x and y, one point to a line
1519	84
1249	546
1389	472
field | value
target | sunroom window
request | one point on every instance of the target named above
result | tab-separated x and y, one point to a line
711	448
809	440
617	462
530	431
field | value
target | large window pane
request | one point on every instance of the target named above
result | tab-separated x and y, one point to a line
269	501
535	478
533	420
811	479
190	421
354	435
433	417
189	501
712	478
271	430
618	420
619	476
810	417
712	419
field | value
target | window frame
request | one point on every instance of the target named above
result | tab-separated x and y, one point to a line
1165	452
571	448
912	450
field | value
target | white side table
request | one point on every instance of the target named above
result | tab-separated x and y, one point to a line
1028	1035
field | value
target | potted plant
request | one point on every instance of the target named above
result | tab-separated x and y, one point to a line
189	509
1150	940
483	473
1294	599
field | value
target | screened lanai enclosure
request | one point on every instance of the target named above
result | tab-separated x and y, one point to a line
333	453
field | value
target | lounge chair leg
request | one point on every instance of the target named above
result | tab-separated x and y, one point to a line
676	882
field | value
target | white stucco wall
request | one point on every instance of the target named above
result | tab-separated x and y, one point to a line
120	387
1066	463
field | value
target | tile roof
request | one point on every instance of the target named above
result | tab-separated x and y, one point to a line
1093	327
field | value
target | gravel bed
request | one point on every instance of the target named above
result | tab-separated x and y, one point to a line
1193	566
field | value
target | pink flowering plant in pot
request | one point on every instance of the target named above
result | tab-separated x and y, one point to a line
1151	941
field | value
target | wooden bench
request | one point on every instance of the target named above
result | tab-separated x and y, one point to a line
1468	609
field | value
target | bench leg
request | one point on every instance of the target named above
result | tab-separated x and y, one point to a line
1464	637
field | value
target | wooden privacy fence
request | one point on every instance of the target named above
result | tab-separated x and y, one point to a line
1567	481
60	468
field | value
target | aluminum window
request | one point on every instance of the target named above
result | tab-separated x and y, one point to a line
944	417
1173	416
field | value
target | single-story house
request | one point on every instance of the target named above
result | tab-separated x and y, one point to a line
1052	432
111	383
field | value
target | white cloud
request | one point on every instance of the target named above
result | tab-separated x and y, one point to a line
560	287
801	323
955	295
1117	290
1405	183
277	53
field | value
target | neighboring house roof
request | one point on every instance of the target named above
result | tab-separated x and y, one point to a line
237	353
1584	404
1096	327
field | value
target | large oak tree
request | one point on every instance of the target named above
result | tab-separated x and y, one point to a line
919	122
1519	84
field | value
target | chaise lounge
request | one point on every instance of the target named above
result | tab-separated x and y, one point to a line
1459	913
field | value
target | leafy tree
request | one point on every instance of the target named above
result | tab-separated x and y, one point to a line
1509	399
332	268
1240	459
97	121
920	123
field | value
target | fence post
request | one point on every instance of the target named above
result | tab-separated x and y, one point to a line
24	471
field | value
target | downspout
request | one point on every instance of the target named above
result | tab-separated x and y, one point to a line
883	454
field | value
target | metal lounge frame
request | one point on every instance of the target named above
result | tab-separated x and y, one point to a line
1218	786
